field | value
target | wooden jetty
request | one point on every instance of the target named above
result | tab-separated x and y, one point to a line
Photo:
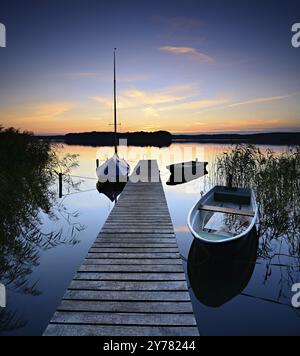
132	281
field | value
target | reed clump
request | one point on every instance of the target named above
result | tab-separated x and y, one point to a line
275	177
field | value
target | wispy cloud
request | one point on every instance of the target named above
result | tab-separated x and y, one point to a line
51	109
149	100
201	104
261	100
163	101
38	112
193	52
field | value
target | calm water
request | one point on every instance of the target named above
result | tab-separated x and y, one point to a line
250	294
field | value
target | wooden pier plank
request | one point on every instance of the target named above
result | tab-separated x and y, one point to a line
132	268
144	285
100	330
127	295
97	318
125	307
112	276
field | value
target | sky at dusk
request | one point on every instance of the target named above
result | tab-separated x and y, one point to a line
184	66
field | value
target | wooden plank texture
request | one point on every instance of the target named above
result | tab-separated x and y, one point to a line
219	209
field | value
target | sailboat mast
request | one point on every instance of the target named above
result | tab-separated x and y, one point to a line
115	103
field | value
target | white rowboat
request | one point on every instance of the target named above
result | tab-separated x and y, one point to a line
223	215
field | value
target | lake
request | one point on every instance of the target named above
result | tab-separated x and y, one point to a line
247	295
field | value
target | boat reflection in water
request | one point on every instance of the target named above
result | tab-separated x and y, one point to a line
111	190
215	281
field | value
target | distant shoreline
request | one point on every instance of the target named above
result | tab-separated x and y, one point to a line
165	139
276	138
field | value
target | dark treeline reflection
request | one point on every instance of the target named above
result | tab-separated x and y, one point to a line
275	177
27	190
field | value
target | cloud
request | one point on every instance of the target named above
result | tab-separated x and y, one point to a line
201	57
158	103
261	100
182	229
148	100
48	110
199	104
37	112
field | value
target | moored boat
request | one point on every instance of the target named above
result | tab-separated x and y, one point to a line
185	172
223	215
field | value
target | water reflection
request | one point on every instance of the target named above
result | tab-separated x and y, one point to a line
215	280
26	195
111	190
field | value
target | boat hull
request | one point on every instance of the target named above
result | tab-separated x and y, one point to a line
226	249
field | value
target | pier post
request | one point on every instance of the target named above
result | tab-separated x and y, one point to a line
60	185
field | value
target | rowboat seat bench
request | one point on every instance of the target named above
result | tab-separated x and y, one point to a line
220	209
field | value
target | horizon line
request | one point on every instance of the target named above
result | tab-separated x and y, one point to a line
178	133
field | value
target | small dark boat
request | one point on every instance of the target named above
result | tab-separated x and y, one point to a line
185	172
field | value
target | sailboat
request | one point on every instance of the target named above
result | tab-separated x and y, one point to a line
114	169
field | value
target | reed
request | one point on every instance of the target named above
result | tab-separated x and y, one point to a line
27	193
276	181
